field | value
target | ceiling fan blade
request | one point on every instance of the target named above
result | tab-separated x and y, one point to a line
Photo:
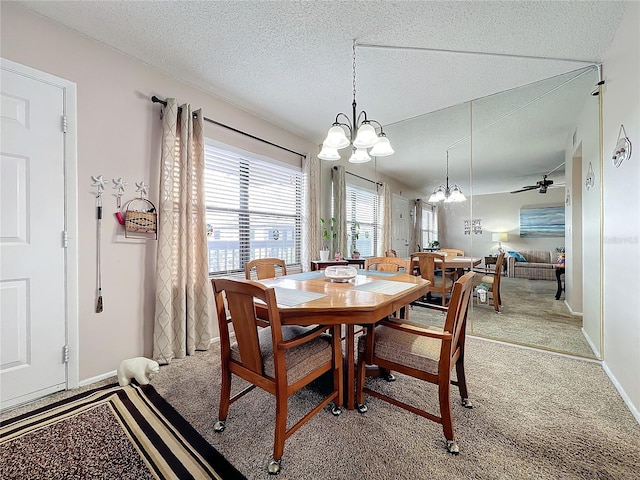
526	189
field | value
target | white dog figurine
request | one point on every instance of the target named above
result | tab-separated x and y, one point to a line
140	368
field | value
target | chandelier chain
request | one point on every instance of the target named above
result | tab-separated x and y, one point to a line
354	70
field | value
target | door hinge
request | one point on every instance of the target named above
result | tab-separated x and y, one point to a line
65	354
64	124
65	239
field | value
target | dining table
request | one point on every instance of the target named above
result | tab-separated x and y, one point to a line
312	298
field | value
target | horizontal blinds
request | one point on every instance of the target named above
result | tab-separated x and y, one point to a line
363	206
253	210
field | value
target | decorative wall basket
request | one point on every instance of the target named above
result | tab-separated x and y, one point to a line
140	219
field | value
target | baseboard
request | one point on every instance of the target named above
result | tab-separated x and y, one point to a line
571	312
594	349
632	408
97	378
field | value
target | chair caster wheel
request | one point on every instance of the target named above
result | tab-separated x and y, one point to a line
219	426
389	377
452	447
466	403
336	411
274	467
362	407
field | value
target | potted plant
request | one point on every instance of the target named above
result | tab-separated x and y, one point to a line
355	235
328	234
434	244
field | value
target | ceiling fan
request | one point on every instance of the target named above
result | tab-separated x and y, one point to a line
541	185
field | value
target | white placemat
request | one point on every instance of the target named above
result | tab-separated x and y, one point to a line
387	287
290	296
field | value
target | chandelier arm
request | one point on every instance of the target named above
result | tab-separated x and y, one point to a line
378	124
348	124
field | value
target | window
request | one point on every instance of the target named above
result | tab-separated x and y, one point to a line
254	209
363	206
429	224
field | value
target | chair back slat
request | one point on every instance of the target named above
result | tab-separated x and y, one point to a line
458	307
427	264
265	268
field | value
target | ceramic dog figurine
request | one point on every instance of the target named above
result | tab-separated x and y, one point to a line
140	368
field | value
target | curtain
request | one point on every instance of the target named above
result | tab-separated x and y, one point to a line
340	210
387	214
311	231
183	292
417	229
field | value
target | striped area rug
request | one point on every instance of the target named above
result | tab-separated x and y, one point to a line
113	433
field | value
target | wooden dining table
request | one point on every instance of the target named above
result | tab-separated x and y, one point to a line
310	298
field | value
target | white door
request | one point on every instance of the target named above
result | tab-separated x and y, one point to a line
400	226
32	238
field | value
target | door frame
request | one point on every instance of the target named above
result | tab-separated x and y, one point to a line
70	210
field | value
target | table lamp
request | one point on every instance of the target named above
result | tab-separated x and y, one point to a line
499	238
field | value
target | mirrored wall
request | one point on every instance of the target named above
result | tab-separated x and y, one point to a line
542	142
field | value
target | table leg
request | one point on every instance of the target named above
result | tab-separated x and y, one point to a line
350	361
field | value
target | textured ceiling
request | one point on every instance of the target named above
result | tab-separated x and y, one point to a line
290	62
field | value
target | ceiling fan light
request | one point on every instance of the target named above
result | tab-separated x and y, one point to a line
329	154
382	148
359	155
366	136
336	138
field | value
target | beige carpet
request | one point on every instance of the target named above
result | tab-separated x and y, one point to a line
536	415
530	315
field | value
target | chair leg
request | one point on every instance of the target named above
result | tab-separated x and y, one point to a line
446	417
225	400
280	433
338	378
462	383
360	376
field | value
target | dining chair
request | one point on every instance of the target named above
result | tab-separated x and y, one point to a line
279	359
264	268
423	352
452	251
390	253
440	282
388	264
490	278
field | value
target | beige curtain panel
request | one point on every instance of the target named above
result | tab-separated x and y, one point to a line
417	229
312	233
340	210
183	292
387	216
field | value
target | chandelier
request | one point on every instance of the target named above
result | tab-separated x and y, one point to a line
361	126
447	193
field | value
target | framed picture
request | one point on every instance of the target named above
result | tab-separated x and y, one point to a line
547	221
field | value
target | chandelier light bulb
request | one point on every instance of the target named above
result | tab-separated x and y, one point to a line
336	138
360	155
366	136
382	148
328	153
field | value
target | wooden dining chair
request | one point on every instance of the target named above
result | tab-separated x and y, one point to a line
490	278
388	264
452	251
440	282
390	253
426	353
261	268
279	359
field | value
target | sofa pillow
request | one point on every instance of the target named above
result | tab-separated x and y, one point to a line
518	256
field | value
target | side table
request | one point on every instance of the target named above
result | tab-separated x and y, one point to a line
320	265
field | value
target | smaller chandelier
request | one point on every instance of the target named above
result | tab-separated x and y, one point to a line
366	136
447	193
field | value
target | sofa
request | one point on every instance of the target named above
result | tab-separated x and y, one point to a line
538	265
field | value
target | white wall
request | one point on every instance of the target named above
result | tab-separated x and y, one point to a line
119	136
499	212
621	105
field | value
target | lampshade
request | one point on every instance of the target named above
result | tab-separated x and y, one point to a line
359	155
366	136
328	153
382	148
336	138
499	237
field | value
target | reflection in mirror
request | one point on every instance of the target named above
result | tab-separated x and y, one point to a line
529	147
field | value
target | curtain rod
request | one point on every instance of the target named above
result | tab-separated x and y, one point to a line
362	178
155	99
